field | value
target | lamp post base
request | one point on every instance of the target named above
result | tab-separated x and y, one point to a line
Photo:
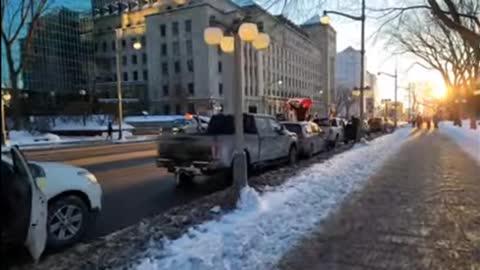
240	172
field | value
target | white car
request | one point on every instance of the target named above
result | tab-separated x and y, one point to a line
64	201
334	128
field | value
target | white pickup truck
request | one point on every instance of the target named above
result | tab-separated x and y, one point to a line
205	153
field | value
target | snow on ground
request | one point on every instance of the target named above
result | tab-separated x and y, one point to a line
468	139
21	137
263	228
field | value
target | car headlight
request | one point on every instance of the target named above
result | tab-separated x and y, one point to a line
90	177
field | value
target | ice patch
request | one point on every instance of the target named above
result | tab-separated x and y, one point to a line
263	228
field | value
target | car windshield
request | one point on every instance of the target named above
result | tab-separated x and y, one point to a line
324	122
295	128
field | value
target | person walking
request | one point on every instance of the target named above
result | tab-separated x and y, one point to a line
110	131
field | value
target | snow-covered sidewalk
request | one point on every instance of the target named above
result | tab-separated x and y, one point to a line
468	139
264	228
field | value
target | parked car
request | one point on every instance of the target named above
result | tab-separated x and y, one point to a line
72	194
195	124
189	155
379	124
311	138
334	129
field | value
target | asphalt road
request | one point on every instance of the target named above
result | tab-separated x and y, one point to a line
133	187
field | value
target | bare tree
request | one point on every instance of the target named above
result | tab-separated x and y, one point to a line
19	22
343	100
421	34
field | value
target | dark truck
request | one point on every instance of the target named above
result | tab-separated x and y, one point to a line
206	153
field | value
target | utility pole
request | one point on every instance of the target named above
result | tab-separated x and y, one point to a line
396	98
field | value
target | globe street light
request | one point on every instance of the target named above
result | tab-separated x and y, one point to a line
230	38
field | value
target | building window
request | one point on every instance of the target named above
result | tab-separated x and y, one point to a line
124	43
145	75
125	76
134	59
96	47
165	69
135	75
191	89
114	46
175	28
104	46
178	109
177	67
124	60
163	30
144	41
188	26
189	47
219	50
132	41
144	58
164	49
176	48
165	90
220	67
191	108
190	65
166	109
220	89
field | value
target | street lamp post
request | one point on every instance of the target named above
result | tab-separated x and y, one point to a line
240	30
395	106
137	46
5	98
326	20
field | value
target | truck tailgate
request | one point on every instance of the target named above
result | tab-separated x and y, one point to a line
186	148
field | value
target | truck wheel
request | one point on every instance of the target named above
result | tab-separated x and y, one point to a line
184	180
68	218
292	156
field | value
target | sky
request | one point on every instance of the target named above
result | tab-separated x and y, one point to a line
379	59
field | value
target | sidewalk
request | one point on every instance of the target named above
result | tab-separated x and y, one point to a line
420	211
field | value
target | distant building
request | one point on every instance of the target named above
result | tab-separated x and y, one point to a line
326	39
59	60
176	72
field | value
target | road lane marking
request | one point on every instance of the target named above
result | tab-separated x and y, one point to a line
111	158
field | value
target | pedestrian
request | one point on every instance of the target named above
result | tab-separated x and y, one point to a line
110	131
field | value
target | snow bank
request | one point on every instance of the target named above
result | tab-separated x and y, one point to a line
468	139
21	137
153	118
263	228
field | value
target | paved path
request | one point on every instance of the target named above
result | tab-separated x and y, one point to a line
420	211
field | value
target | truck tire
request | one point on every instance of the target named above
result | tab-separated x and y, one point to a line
292	155
184	180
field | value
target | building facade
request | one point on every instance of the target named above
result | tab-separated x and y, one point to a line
326	39
59	58
191	76
175	71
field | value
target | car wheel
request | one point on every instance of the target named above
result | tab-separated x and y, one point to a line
184	180
68	219
292	156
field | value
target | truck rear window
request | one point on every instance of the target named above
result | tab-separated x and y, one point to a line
224	125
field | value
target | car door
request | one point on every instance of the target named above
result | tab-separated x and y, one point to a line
281	141
316	137
34	206
266	138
